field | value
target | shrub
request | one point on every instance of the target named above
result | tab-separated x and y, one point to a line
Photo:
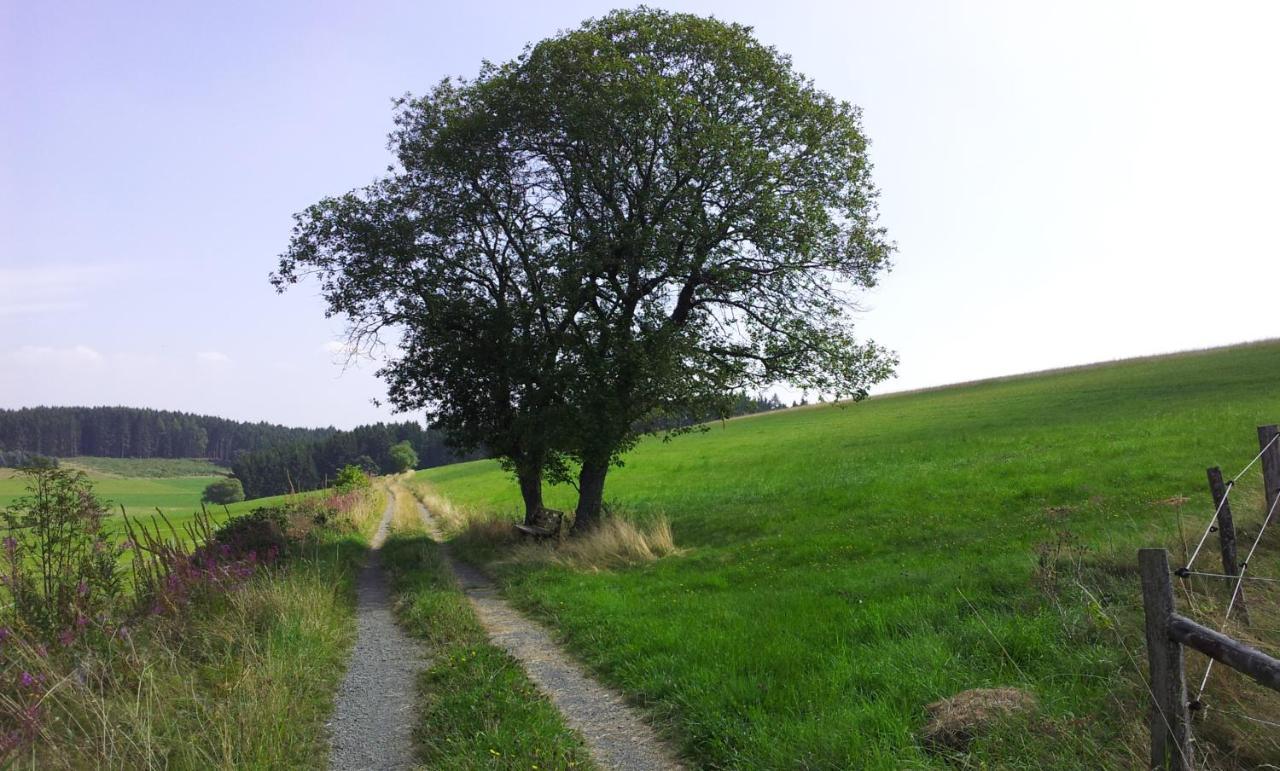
351	478
224	491
367	465
261	533
403	457
58	569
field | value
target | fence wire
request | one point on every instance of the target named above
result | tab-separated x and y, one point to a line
1230	485
1235	592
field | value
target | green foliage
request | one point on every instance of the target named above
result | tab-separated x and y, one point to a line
130	432
847	565
260	532
351	477
368	465
632	218
59	570
307	465
223	491
403	457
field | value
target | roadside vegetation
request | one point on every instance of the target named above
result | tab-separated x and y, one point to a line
142	648
477	707
842	567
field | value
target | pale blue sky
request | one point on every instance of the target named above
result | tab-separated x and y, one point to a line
1066	182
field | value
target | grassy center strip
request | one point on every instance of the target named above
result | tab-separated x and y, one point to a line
478	708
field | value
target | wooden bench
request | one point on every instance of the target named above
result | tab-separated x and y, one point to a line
546	524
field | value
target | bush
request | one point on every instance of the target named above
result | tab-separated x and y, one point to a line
403	457
224	491
351	478
260	533
58	568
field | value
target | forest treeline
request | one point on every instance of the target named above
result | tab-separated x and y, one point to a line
298	466
268	459
132	432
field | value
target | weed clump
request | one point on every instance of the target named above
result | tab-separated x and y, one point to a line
956	721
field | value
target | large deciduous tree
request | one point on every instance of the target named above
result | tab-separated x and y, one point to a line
637	216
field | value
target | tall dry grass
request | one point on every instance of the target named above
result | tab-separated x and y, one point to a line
617	541
450	519
246	684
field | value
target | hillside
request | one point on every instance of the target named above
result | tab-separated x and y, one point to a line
131	432
845	566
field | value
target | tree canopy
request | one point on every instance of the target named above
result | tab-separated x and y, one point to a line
402	456
223	492
634	218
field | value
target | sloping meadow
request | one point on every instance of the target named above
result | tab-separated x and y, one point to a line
838	568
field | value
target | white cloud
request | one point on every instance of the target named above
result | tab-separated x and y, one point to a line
336	347
44	355
213	357
26	291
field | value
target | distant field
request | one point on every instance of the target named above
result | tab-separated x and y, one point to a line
137	495
155	486
147	467
847	565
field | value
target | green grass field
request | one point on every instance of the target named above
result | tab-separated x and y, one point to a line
845	566
146	467
178	497
141	485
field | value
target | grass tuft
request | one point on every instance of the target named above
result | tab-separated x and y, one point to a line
615	542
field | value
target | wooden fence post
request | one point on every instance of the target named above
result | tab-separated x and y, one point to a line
1270	466
1170	720
1227	537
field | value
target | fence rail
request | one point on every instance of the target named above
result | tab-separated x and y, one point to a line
1169	633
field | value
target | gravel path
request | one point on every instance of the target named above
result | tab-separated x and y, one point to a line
372	726
616	734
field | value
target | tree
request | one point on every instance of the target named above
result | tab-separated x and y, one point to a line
223	492
403	457
634	218
368	465
351	477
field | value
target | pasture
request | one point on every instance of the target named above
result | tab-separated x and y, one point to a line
141	486
844	566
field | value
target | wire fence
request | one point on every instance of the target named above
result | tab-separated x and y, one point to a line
1167	632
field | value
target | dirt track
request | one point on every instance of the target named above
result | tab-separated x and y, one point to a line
372	726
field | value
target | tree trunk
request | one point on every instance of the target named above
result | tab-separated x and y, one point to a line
531	490
590	495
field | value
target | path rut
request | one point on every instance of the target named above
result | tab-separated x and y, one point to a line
372	726
616	734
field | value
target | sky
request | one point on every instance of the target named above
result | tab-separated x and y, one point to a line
1065	182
